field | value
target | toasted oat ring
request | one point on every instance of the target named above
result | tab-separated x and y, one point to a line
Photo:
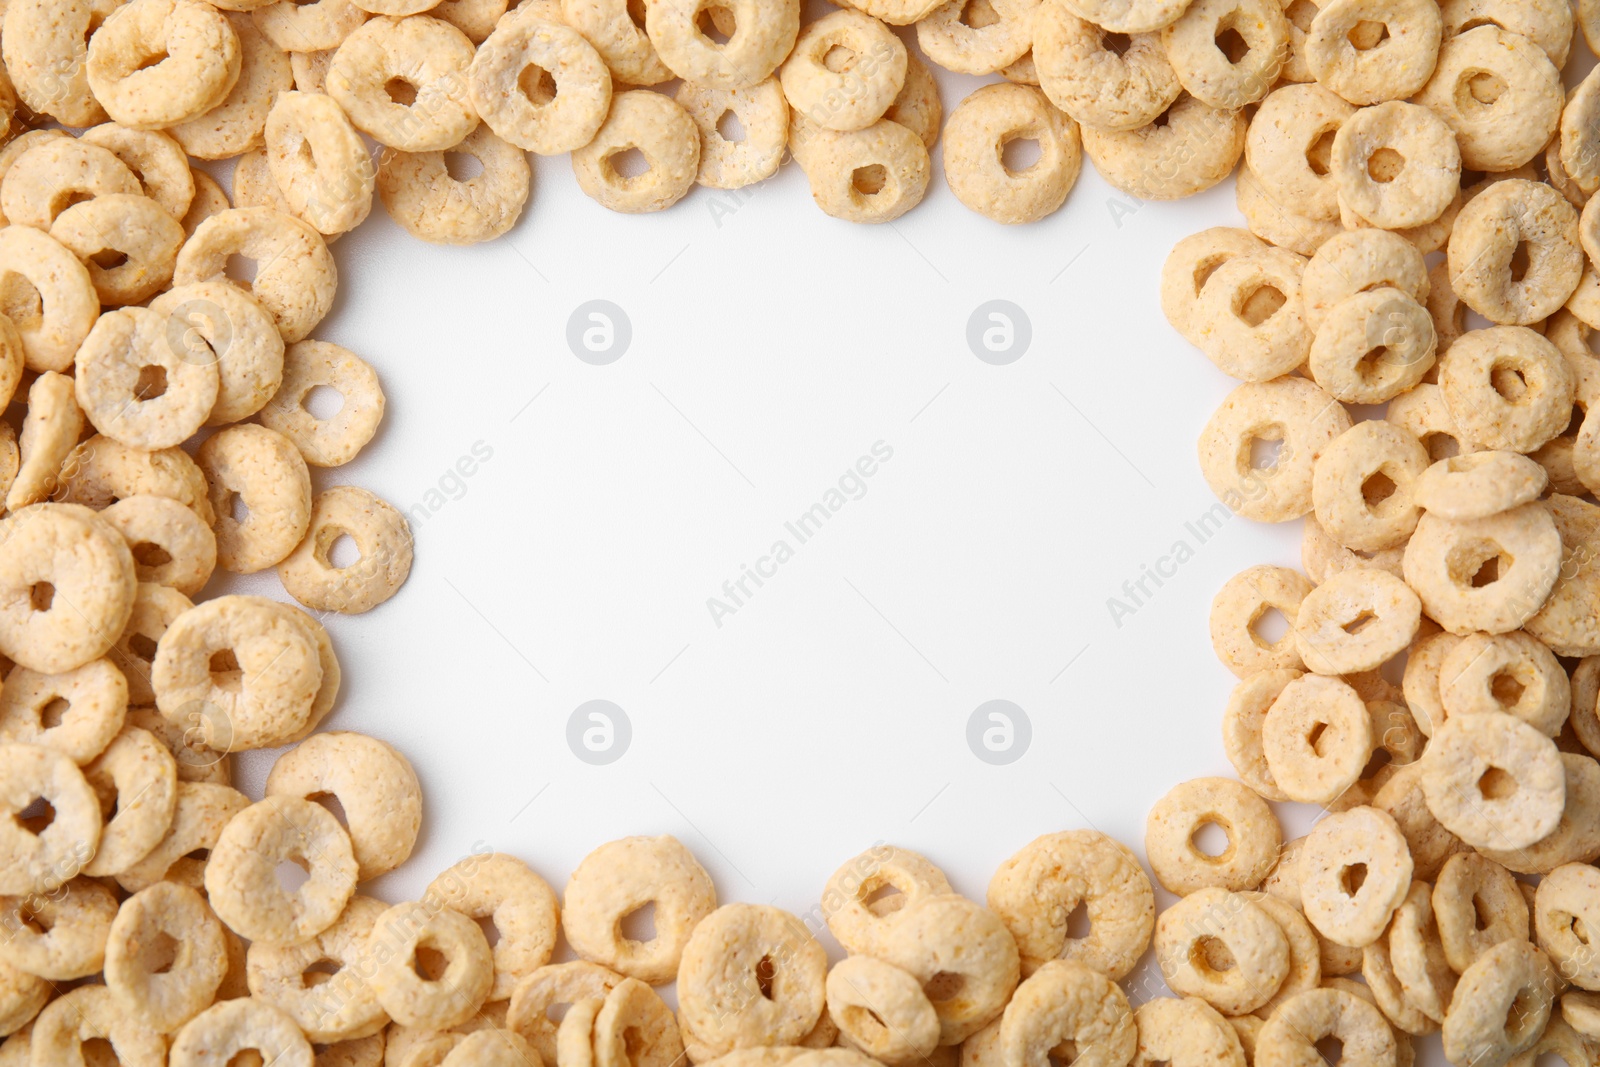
95	696
420	194
426	53
335	440
313	27
171	546
262	469
1211	75
1424	413
201	812
1035	891
1500	1005
619	878
1566	910
156	160
1363	486
63	1030
229	1028
1252	830
1473	891
882	1010
1316	739
1511	673
1548	25
1522	93
1417	956
264	701
1290	1037
381	536
974	140
557	983
1360	261
856	96
198	53
721	994
1241	729
137	778
1185	150
1579	139
56	172
39	862
1355	870
1356	621
1494	781
1188	267
234	126
241	876
871	175
1293	411
44	48
1240	606
1211	923
970	946
319	162
134	387
1187	1032
572	85
1128	16
1396	164
1507	387
124	225
1065	1002
1249	319
1576	838
522	907
1373	346
1285	136
1585	715
633	1026
1393	69
50	431
917	108
217	322
1403	798
489	1048
1091	82
48	294
165	956
1445	559
295	279
859	922
657	128
968	48
1479	484
209	200
763	114
763	34
621	42
344	1007
1569	621
374	784
60	935
460	987
1493	226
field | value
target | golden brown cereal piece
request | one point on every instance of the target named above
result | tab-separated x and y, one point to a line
241	876
77	712
1174	821
970	946
136	778
1579	138
1500	1005
1292	1034
1480	484
1373	346
49	295
618	37
1361	261
39	862
1287	147
295	277
429	55
871	175
328	691
1238	610
127	226
1395	67
1355	869
1275	221
974	141
1241	731
209	199
1316	738
1093	83
54	173
1214	923
328	442
165	957
1569	621
1511	218
550	985
1292	411
316	26
381	536
50	430
319	162
866	895
1363	486
1547	24
136	387
1585	715
263	470
202	810
156	160
463	979
199	58
44	45
1356	621
762	114
67	586
574	87
1511	673
234	1028
1217	77
196	762
1249	320
171	546
420	194
966	45
634	1025
1187	1032
235	125
619	878
1035	891
1066	1002
1566	908
1500	93
656	127
373	783
342	1007
59	935
1488	574
762	36
856	96
917	108
1185	150
522	907
1396	164
91	1013
882	1010
1494	781
1411	963
1188	267
217	322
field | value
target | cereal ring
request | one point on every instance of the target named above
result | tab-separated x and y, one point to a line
241	876
1238	610
342	1007
234	1028
235	125
867	893
1395	66
216	322
91	1013
1355	870
54	174
1511	673
634	1025
1249	320
1228	79
762	115
489	1048
1356	621
373	783
569	86
462	980
197	53
1241	729
312	27
381	536
50	431
1585	716
261	469
1500	1005
504	891
1569	621
1416	953
427	54
48	295
44	46
1487	574
77	712
1396	164
1546	24
1479	485
165	956
550	985
917	108
1496	230
883	1010
196	762
1185	150
1566	908
1501	95
618	33
101	471
422	196
156	160
750	975
956	42
1177	818
319	162
1373	346
137	779
1271	221
1360	261
335	440
873	69
295	277
1292	411
1426	416
1494	781
762	36
1037	890
1186	1032
1095	84
209	199
974	165
620	878
1316	738
1289	144
1188	267
61	935
136	388
128	231
1476	905
1066	1003
1364	484
1398	743
38	862
1250	950
202	810
1290	1037
1581	1011
657	128
963	956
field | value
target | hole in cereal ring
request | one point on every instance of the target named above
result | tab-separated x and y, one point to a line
331	803
633	1044
1210	954
1506	688
1078	921
1316	735
1231	43
343	552
1579	929
1385	164
1301	13
870	179
400	91
1482	913
1211	839
35	921
978	14
462	166
1260	304
716	24
1116	43
537	85
944	986
292	874
429	963
225	672
1377	488
1019	154
108	258
20	301
766	971
1576	422
98	1052
160	952
1265	451
640	923
1522	1015
629	164
1066	1054
152	59
1331	1049
1519	261
882	900
150	554
1352	878
1496	784
199	855
1441	446
491	932
319	972
241	271
1319	154
41	596
1482	87
729	128
69	198
1359	623
839	59
37	815
323	402
1487	574
1268	628
1367	35
636	12
1380	759
557	1011
142	646
238	510
152	382
54	713
863	1020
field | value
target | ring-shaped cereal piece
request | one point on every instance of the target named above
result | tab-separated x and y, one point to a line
762	114
428	54
489	1048
1403	799
1363	486
969	946
872	71
1290	1036
1174	821
263	470
1272	220
1511	673
1373	346
125	226
1580	1009
1585	715
974	143
1424	414
882	1010
1494	781
1569	621
1394	67
1092	82
1316	738
241	876
319	162
634	1026
1188	267
1187	1032
1566	909
751	975
1509	219
917	108
869	176
1240	606
135	388
344	1007
1249	319
1355	870
1305	949
374	784
50	432
44	46
1360	261
977	47
1507	387
235	125
231	1028
1396	164
1417	957
1035	891
216	321
156	160
321	25
520	904
557	983
62	1031
662	132
202	810
856	903
763	34
155	608
1293	127
295	278
1479	484
620	38
198	57
60	935
166	956
1579	154
382	537
48	295
460	983
171	545
1544	22
1500	1006
39	862
421	195
95	696
570	86
1214	76
137	778
67	587
337	439
1065	1002
54	173
1128	16
1187	149
1289	410
1242	723
1215	924
621	877
1491	575
1501	95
